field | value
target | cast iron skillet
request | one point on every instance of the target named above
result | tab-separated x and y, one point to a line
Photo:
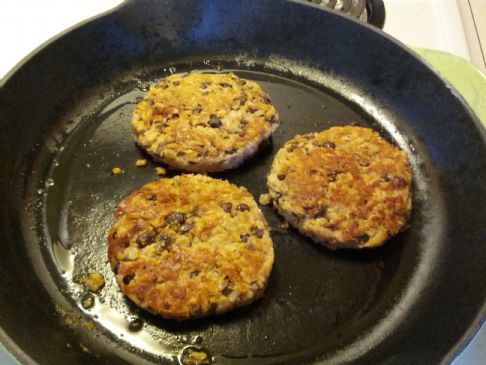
64	117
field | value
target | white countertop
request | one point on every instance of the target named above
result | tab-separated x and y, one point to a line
437	24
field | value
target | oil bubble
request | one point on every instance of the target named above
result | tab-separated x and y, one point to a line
135	325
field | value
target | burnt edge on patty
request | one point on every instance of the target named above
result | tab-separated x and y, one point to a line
345	187
190	246
204	122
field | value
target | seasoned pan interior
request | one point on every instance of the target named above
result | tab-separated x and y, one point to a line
317	301
64	117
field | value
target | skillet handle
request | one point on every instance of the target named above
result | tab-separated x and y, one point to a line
376	12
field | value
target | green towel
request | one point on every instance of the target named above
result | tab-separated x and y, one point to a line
463	75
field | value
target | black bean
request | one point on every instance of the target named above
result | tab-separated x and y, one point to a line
242	207
227	207
399	182
176	83
320	212
204	85
135	325
272	120
242	133
281	177
215	122
243	100
227	291
252	109
225	84
231	151
186	227
257	232
292	147
163	238
244	121
194	273
180	153
197	110
127	278
151	196
145	239
362	238
332	176
244	237
165	242
164	246
175	218
325	144
266	99
116	267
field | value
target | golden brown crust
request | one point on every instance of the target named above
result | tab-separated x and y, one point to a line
204	122
343	187
190	246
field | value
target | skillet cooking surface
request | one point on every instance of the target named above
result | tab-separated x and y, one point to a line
66	116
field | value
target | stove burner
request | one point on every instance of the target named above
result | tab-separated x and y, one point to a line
371	11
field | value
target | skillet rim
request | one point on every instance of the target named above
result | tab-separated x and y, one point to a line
17	354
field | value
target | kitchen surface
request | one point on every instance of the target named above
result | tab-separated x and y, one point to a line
457	27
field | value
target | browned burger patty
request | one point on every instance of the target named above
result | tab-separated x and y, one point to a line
190	246
343	187
204	122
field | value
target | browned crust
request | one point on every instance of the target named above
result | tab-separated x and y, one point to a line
190	246
343	187
203	122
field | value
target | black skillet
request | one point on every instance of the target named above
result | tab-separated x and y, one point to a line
64	121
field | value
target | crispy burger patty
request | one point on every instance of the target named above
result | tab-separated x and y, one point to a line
190	246
204	122
342	187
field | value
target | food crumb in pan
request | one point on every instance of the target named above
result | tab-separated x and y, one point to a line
116	171
84	348
160	171
265	199
93	282
194	356
141	163
73	320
